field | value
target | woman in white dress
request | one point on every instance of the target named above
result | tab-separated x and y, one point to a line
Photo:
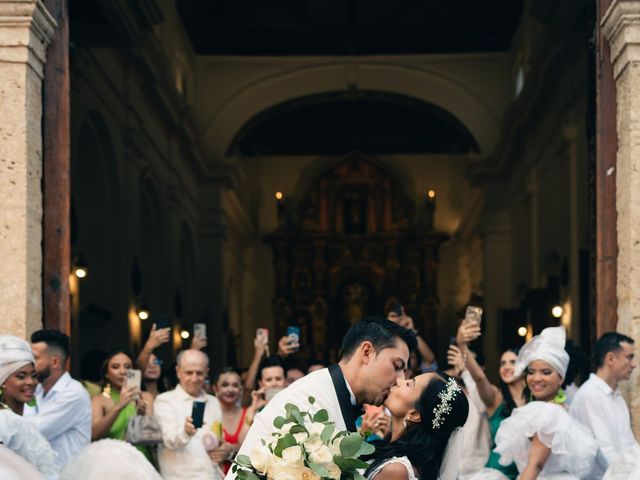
425	412
17	385
541	438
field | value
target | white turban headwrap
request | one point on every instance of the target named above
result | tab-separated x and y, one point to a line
548	347
15	353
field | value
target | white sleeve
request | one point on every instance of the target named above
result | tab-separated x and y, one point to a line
472	391
173	434
588	412
54	416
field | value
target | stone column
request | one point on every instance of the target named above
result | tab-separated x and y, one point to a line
25	31
621	26
210	288
496	244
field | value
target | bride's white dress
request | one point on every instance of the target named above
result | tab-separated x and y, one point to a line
573	449
401	460
23	438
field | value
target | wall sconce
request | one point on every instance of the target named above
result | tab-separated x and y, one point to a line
557	311
522	331
184	334
279	196
79	267
142	310
431	195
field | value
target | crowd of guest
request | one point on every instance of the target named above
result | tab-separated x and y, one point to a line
545	418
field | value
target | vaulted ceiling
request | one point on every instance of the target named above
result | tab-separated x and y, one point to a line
349	27
337	122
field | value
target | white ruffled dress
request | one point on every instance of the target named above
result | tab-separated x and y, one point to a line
401	460
573	449
23	438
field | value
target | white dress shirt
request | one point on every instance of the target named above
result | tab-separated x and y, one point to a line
317	384
63	416
605	413
182	456
477	434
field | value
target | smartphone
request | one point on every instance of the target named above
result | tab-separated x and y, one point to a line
473	315
452	341
197	413
263	334
133	378
293	333
200	330
271	392
161	320
397	309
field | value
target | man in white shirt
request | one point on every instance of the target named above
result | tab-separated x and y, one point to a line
375	354
62	411
599	405
182	454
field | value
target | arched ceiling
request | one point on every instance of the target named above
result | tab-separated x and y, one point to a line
349	27
334	123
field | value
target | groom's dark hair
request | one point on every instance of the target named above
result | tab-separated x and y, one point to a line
382	333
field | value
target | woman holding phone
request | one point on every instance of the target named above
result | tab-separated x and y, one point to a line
227	386
111	410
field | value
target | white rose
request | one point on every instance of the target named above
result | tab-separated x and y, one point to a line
334	471
313	443
300	437
282	471
293	456
322	456
261	458
315	428
307	474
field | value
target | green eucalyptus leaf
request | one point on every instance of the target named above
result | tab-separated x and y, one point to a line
319	469
285	442
327	431
247	475
279	422
243	460
312	400
358	476
321	416
366	449
350	445
298	417
297	429
349	464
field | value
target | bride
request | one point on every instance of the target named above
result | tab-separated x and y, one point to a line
427	413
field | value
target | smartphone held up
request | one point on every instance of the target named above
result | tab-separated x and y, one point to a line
473	315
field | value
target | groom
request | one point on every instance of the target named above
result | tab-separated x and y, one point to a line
375	353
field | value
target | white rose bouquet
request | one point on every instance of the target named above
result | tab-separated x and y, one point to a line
305	446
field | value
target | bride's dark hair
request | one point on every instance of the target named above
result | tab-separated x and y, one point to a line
423	445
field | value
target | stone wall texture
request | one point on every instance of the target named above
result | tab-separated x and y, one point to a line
25	29
621	25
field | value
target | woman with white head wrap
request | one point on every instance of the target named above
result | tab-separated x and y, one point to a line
541	438
17	373
17	379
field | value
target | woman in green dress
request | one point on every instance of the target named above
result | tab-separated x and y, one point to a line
111	410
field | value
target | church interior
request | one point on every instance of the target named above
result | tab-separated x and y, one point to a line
274	163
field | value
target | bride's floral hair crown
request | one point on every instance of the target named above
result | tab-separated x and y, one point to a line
444	406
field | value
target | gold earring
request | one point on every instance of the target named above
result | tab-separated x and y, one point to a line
106	390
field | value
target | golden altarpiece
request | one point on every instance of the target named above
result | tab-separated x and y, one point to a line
352	246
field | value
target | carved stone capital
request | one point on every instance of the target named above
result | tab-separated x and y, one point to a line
26	28
621	27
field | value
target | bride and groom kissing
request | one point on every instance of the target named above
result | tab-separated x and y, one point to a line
426	411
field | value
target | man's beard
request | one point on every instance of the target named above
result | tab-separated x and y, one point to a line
43	375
